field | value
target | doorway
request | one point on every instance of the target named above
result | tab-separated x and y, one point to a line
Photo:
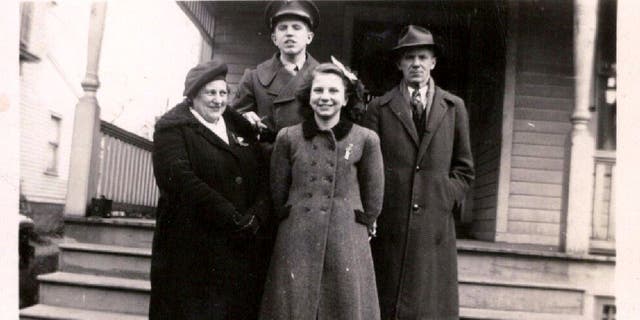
471	66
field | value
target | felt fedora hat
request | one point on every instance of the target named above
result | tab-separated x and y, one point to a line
305	10
416	36
202	74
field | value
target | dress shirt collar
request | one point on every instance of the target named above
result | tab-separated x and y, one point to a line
423	91
291	66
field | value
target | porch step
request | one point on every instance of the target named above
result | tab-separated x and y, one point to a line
125	232
108	260
97	293
486	314
46	312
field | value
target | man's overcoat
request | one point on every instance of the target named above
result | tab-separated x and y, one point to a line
269	90
425	181
328	186
200	268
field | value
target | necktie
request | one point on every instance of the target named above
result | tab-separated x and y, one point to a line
417	110
292	68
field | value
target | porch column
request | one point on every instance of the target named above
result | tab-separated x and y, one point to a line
578	222
85	141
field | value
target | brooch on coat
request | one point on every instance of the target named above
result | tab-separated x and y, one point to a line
239	140
347	153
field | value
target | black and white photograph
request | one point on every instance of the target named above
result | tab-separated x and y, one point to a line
319	160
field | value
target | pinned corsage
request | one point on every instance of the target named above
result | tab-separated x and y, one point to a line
347	152
239	140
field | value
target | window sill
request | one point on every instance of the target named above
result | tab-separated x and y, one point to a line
51	173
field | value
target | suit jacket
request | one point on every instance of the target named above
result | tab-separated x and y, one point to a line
425	181
202	181
270	91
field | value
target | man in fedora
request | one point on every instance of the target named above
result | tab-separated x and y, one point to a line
424	135
266	94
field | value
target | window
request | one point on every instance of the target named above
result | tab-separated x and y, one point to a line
605	308
54	144
608	312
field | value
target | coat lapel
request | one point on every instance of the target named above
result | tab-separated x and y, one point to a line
267	70
287	92
216	141
437	113
400	107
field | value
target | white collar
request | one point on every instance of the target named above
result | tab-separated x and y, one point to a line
291	66
423	91
219	128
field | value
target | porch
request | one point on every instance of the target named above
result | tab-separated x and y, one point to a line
535	241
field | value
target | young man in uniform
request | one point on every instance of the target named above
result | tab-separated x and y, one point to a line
266	94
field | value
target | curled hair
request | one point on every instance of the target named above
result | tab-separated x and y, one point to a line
354	91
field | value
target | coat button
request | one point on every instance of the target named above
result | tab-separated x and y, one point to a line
239	180
417	168
416	207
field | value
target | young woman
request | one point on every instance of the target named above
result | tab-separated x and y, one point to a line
327	187
214	197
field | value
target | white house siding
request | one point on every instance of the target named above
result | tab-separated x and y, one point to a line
543	106
51	85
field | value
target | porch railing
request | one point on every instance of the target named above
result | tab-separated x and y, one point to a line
126	172
603	220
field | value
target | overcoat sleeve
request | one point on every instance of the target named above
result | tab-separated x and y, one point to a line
174	173
245	99
281	173
461	173
371	180
370	119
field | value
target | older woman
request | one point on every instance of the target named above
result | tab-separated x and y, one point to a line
213	200
327	186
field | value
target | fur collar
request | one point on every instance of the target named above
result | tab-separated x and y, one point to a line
310	129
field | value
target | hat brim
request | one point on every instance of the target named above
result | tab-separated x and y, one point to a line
437	50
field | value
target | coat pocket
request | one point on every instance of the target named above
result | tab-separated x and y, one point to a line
450	198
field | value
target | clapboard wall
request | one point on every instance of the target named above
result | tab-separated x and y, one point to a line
544	94
484	103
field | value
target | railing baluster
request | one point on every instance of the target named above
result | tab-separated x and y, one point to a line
597	223
612	207
604	213
126	171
